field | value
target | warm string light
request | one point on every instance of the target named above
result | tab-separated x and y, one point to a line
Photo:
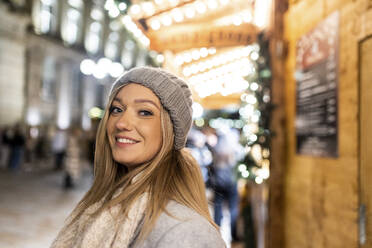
186	11
149	8
220	123
112	9
102	68
199	8
132	27
236	19
257	152
195	54
256	165
239	54
222	72
190	11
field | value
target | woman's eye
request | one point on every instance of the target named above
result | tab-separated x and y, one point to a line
145	113
115	110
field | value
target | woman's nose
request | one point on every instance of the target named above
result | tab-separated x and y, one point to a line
124	122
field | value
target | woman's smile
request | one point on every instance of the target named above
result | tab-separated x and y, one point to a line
125	141
134	125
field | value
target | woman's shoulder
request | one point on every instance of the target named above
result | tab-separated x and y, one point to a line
183	227
181	212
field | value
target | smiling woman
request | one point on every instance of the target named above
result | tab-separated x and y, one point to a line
134	127
148	191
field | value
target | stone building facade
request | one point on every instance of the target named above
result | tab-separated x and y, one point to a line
42	45
12	65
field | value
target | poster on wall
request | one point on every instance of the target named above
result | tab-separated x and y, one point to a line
316	90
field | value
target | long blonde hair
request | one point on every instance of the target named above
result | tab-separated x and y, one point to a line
170	175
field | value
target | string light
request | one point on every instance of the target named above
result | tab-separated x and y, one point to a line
224	2
258	180
177	15
190	12
155	24
201	8
160	58
135	9
173	2
166	20
254	86
148	8
132	27
212	4
245	174
87	66
203	52
122	6
242	167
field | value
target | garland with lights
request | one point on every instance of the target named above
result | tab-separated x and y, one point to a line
123	5
255	112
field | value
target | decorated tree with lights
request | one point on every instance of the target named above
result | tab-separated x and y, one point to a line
255	112
122	5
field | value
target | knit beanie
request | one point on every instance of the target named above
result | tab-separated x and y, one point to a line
174	95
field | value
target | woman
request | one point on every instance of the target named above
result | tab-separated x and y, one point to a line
148	191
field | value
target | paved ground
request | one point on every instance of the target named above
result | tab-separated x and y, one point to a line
33	206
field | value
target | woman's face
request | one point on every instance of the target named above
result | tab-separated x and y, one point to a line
134	126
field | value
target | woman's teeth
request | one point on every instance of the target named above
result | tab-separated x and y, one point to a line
127	141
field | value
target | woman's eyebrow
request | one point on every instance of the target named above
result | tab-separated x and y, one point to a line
118	100
146	101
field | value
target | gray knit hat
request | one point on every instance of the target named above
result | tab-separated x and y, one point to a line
174	95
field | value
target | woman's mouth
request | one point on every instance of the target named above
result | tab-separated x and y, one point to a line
126	141
120	141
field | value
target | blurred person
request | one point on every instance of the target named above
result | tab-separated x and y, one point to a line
72	162
30	146
148	190
5	146
17	146
223	182
41	144
196	142
59	144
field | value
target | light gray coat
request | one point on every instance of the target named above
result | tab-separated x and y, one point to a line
187	230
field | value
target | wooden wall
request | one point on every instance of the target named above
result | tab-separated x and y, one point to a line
320	197
275	225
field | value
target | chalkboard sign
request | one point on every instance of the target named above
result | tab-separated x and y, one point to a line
316	90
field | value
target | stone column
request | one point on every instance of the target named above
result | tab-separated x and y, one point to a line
12	66
89	100
64	95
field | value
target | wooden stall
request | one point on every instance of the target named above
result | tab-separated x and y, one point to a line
325	199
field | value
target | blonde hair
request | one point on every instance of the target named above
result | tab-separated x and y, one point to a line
170	175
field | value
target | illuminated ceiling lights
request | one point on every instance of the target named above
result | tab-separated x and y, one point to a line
154	15
218	60
207	70
210	73
164	13
187	57
236	19
262	10
184	12
149	8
